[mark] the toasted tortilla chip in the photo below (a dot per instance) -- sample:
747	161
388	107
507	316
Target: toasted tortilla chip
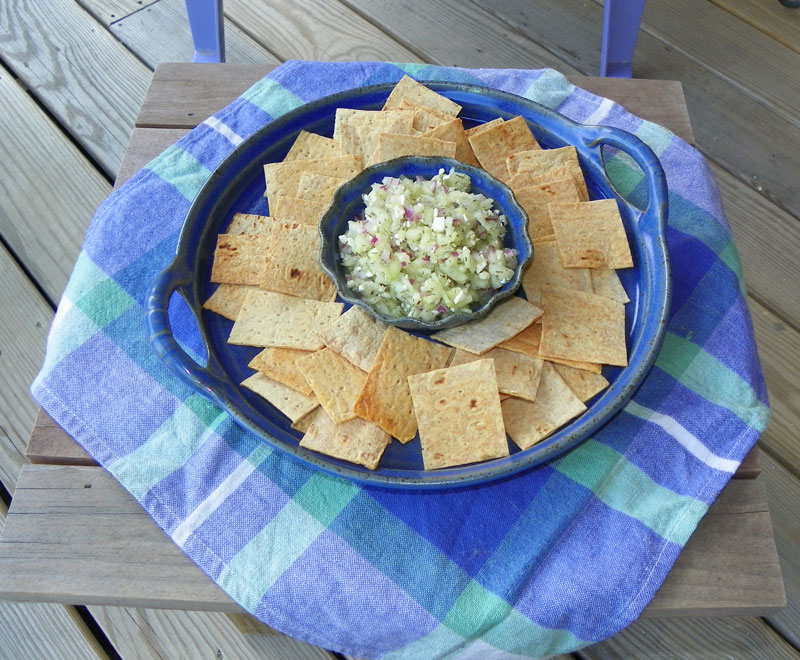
356	441
304	422
546	269
541	161
528	341
528	423
358	130
283	178
385	399
294	209
578	325
310	146
227	300
293	263
290	402
250	223
391	145
506	320
274	319
534	200
494	145
408	89
336	382
318	187
590	234
606	283
517	374
355	335
453	131
279	365
483	127
582	383
424	118
459	415
239	259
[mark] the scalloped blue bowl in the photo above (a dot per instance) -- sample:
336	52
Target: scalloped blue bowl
348	202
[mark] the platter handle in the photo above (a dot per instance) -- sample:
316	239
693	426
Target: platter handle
166	347
654	216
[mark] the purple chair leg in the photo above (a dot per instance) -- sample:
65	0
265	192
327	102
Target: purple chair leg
621	19
205	20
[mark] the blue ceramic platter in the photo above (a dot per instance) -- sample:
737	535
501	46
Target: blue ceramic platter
237	185
348	202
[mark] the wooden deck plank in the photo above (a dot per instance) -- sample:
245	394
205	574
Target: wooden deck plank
22	340
315	30
160	33
49	190
768	241
108	11
733	129
772	18
71	555
779	349
783	492
758	62
151	634
43	630
476	39
59	50
693	639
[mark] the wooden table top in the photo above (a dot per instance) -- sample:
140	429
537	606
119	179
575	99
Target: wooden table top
74	535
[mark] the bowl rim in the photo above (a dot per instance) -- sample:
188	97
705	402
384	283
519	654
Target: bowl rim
409	322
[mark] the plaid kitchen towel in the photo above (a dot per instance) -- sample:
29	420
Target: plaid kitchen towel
545	562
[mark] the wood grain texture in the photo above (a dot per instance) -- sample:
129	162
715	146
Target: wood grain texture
758	61
60	51
154	33
74	535
164	634
22	340
315	30
735	538
50	190
768	241
46	631
783	491
693	639
779	349
731	127
474	40
108	11
772	18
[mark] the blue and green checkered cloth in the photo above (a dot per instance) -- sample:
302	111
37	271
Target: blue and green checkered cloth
542	563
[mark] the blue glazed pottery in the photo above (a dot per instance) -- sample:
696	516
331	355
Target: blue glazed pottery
237	185
347	203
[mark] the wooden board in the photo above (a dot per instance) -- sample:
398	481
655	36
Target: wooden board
42	218
693	639
779	348
783	491
772	18
154	35
44	630
731	127
315	30
108	11
60	51
182	97
723	569
758	60
164	634
22	341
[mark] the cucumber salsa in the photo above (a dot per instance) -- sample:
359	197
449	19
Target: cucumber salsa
426	248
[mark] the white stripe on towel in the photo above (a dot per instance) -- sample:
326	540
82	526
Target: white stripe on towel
600	113
225	130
